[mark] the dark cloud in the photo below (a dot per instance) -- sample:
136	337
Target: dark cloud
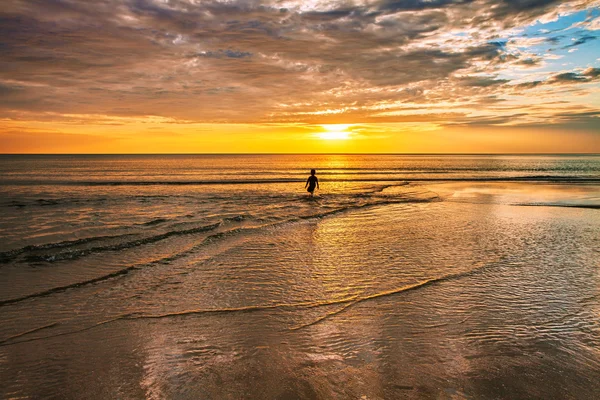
580	114
580	41
529	85
482	81
591	73
488	100
523	5
222	53
529	61
414	5
554	39
485	121
8	90
589	120
587	75
567	77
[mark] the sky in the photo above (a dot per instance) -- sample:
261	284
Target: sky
229	76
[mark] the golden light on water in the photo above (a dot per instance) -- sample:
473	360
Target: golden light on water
335	132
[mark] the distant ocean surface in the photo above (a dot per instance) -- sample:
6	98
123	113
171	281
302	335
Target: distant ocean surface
217	276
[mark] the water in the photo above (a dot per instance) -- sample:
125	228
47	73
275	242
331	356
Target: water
210	277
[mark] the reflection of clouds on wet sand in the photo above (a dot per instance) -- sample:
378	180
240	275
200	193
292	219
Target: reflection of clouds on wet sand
522	194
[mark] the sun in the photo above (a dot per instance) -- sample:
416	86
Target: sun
335	132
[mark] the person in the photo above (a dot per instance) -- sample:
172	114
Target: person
311	182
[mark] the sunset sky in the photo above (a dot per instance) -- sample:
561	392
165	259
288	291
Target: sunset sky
194	76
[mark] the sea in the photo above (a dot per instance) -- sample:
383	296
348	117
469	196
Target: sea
220	277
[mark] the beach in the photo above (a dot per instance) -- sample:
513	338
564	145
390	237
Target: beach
218	277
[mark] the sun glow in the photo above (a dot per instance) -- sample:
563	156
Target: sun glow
335	132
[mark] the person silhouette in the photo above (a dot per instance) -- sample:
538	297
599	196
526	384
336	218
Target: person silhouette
311	182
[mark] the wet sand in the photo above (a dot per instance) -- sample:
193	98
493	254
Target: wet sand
435	300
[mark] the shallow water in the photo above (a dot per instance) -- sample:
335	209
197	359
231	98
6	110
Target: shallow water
484	285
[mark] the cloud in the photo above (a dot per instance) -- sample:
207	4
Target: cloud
483	81
486	121
8	90
587	75
571	77
269	61
554	39
221	54
591	72
591	24
567	77
530	62
580	41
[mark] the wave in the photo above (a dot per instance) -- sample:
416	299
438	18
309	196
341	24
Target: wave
12	254
70	286
121	272
156	221
366	205
111	275
74	201
118	273
347	303
28	332
521	178
87	328
208	239
31	253
589	206
74	254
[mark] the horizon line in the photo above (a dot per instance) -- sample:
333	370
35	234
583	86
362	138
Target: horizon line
313	154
